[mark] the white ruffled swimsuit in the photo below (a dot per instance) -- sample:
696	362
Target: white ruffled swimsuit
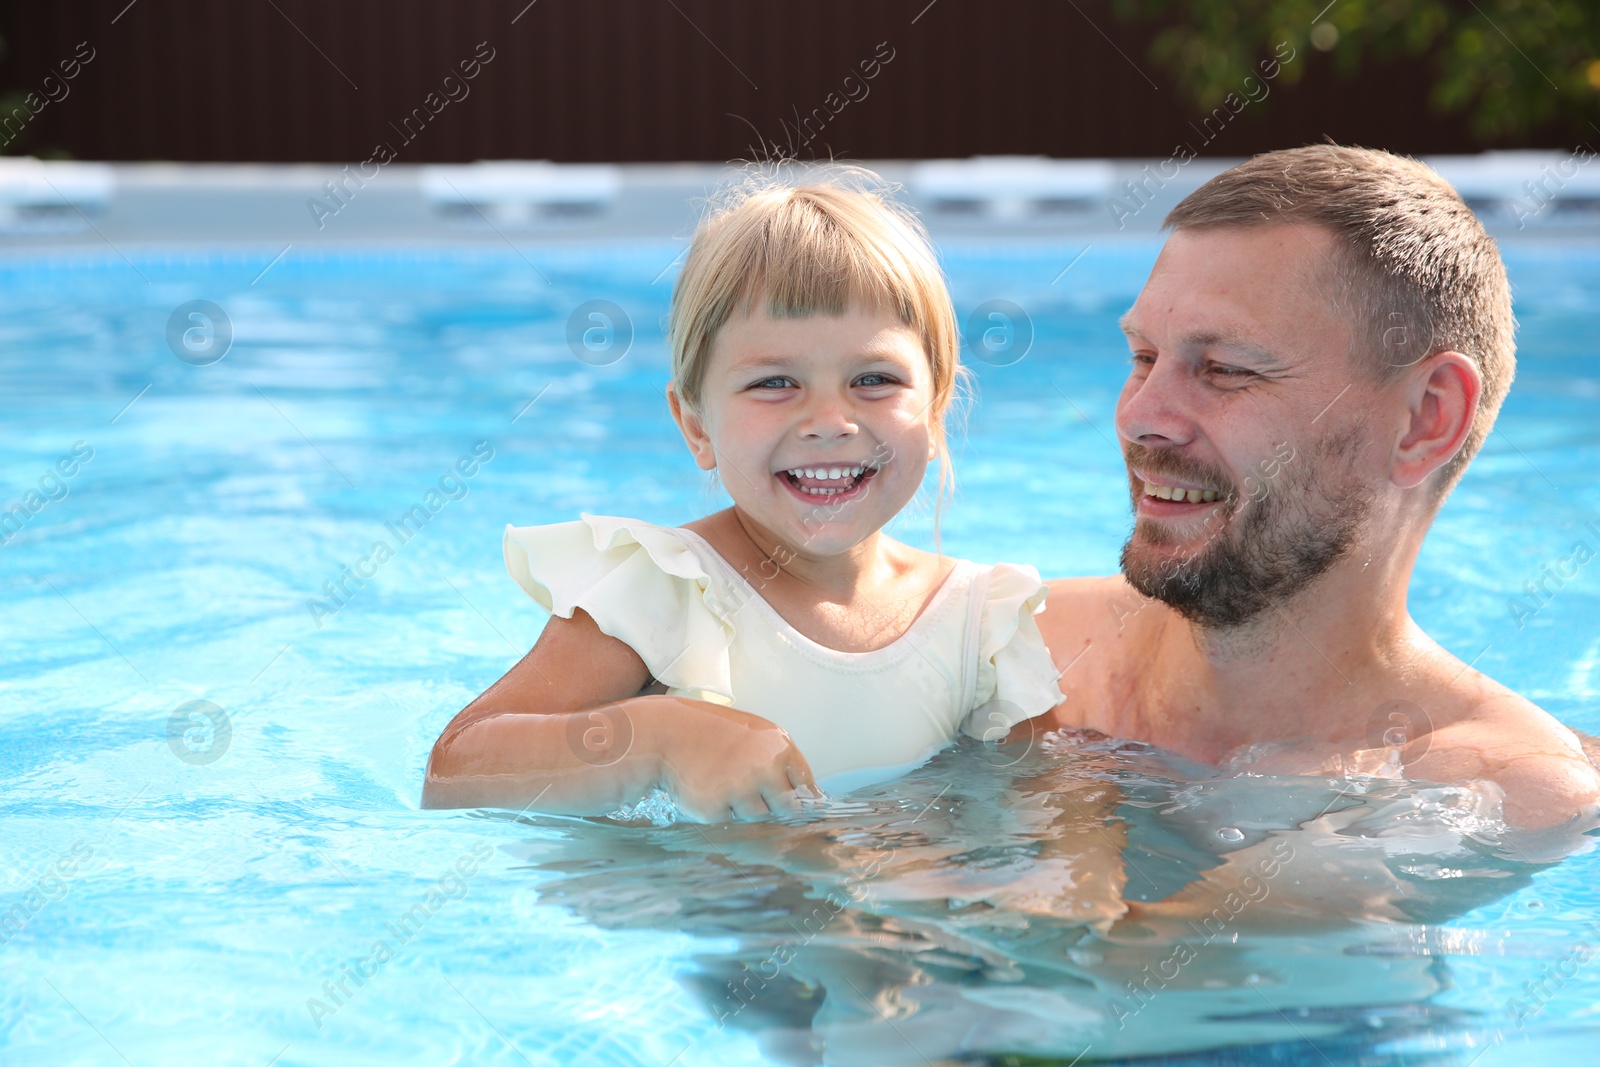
973	662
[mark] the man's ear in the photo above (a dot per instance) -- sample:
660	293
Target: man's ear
1442	394
693	428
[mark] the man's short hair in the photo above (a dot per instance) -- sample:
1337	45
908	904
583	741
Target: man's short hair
1413	262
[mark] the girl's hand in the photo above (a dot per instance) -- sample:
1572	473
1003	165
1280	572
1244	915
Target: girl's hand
719	763
574	728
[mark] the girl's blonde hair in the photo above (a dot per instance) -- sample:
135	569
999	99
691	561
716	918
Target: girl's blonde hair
820	246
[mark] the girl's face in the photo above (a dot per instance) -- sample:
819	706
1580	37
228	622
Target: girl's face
821	427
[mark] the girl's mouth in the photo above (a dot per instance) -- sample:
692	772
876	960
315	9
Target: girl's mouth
827	484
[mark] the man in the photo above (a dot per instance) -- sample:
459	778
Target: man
1320	349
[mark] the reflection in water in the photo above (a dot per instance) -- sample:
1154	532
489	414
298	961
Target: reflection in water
1088	895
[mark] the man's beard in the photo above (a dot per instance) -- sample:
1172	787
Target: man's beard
1263	553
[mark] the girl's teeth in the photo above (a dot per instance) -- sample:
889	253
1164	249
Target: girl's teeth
827	474
831	474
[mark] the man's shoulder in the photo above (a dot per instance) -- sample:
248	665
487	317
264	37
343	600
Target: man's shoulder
1084	604
1498	735
1094	629
1084	611
1096	585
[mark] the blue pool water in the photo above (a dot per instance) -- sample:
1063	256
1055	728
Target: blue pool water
210	764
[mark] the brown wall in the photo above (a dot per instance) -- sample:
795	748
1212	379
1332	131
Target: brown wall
652	80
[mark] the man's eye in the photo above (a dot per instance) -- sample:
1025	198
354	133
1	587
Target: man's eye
1142	359
1222	370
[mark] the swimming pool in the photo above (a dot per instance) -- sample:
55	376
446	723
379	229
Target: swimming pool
218	700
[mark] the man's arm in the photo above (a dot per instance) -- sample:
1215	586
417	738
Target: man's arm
1541	765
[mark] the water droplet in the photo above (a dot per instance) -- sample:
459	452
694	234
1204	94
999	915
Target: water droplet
1232	835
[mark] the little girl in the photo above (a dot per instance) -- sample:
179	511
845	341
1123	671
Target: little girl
735	661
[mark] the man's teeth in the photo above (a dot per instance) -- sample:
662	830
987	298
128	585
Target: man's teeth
1172	492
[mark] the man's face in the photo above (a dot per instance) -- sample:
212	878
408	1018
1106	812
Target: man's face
1243	423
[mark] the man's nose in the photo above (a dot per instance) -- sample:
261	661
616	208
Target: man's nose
828	417
1154	409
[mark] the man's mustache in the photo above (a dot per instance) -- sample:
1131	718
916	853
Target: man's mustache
1154	462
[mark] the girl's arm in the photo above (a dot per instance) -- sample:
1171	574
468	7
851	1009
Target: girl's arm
566	731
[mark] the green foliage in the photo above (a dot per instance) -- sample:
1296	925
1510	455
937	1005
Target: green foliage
12	142
1508	65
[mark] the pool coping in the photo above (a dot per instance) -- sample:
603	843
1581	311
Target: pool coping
49	205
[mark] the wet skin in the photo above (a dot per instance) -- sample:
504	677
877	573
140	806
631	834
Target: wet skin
1239	359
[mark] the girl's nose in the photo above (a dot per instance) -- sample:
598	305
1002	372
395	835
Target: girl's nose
828	418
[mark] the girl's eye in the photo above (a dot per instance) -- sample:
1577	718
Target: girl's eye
874	379
776	382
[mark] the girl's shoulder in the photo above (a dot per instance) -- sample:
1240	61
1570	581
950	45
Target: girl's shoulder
1017	678
995	581
1002	600
1005	595
597	538
641	583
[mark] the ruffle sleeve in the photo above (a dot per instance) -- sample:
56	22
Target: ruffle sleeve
641	584
1017	677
